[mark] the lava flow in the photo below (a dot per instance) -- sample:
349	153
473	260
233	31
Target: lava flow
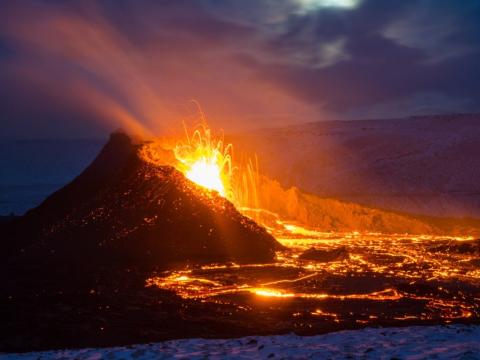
383	278
367	277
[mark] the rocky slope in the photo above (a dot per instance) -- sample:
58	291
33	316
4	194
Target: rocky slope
123	210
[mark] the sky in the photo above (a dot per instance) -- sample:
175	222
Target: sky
83	69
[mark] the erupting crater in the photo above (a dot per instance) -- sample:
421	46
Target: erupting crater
156	233
206	159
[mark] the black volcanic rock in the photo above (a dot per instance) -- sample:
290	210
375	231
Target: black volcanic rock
456	247
320	255
125	211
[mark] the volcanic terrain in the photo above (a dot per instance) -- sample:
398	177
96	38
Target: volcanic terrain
123	210
100	234
133	252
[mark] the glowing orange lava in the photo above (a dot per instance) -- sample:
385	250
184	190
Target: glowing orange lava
399	266
205	160
271	293
207	173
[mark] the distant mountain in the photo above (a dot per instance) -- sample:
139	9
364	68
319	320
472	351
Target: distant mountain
427	165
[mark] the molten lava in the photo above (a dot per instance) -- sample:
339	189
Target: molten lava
394	277
206	161
207	173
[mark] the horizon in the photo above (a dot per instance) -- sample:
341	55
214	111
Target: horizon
105	136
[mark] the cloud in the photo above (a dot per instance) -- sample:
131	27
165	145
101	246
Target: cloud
434	27
137	64
140	69
376	70
312	5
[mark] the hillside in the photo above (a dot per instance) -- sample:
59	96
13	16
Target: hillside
426	165
329	214
124	211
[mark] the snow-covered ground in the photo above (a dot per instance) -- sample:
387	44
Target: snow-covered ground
416	342
425	165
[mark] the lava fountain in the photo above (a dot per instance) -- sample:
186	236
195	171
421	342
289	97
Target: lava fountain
206	161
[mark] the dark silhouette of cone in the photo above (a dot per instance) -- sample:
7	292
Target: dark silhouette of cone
124	211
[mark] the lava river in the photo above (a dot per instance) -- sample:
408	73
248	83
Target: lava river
374	279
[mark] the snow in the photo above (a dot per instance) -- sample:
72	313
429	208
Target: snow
422	165
415	342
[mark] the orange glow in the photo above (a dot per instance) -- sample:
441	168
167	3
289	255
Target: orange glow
207	173
206	161
271	293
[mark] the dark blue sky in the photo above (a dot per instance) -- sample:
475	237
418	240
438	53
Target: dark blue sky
84	68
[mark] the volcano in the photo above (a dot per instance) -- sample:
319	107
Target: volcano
124	211
131	251
80	259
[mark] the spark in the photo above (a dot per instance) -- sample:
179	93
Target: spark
205	160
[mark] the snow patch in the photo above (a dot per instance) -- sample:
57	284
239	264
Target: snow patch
416	342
